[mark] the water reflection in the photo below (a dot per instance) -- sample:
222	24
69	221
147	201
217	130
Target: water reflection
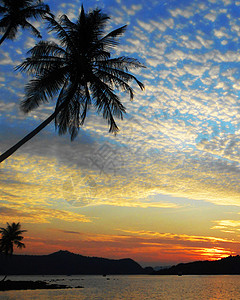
134	288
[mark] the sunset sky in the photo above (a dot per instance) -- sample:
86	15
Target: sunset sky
166	188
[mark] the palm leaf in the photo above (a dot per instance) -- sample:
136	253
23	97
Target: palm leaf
122	62
43	87
110	39
32	28
62	34
46	48
36	11
107	102
3	9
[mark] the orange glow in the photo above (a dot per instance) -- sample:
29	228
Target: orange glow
122	246
215	253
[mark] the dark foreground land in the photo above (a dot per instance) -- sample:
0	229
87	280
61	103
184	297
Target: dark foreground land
65	263
30	285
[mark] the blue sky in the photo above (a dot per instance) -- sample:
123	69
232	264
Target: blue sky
170	179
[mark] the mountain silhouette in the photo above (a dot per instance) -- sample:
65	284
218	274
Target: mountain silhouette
225	266
66	263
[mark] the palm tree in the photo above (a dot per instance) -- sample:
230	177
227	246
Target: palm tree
16	13
79	72
11	235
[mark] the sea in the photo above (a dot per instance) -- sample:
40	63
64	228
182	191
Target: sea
134	287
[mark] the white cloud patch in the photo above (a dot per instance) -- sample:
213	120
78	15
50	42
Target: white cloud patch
220	33
6	59
146	26
211	17
181	12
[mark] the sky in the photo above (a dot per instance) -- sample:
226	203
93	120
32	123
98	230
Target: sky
166	188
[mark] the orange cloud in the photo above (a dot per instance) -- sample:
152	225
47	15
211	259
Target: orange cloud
36	214
182	237
148	247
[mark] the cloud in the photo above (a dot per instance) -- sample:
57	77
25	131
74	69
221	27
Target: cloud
133	9
90	179
207	43
50	175
178	237
184	245
186	13
163	24
6	59
146	26
139	245
211	17
221	33
227	226
26	213
196	70
226	146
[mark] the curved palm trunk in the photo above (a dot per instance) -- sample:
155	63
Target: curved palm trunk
4	278
14	148
5	35
7	262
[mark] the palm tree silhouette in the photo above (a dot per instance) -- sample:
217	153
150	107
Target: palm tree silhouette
16	13
79	73
11	235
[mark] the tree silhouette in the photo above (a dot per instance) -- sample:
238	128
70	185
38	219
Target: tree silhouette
79	73
16	13
11	235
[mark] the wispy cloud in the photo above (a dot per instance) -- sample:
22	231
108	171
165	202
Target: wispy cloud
228	226
25	213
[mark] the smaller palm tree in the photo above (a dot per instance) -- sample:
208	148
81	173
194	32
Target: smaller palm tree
11	235
16	13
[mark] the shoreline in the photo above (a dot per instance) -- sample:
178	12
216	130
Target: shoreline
10	285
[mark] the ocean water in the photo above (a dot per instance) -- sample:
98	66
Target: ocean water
138	287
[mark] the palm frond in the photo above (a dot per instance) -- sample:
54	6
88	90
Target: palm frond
67	24
3	9
37	66
32	28
116	81
74	125
64	38
107	102
85	104
96	22
110	39
114	74
45	48
4	23
68	118
38	11
122	62
19	245
43	87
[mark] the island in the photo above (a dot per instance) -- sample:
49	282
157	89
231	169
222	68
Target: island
226	266
67	263
30	285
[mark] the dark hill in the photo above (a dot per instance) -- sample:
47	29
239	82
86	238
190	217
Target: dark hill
229	266
64	262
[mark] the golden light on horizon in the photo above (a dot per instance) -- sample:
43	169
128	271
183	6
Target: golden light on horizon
215	253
